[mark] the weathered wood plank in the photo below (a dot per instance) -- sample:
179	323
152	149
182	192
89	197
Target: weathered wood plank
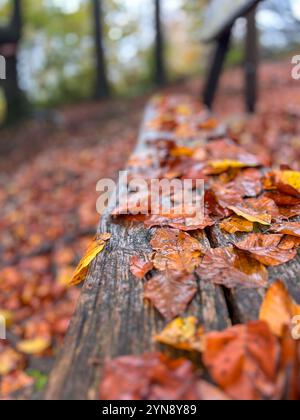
112	318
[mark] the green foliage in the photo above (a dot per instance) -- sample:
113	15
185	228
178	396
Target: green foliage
40	379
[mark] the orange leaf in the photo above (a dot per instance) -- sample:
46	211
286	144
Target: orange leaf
242	360
278	308
171	292
261	210
94	249
266	249
236	224
139	267
230	268
175	250
287	228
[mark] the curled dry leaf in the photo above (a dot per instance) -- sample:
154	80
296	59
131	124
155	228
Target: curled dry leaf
242	360
287	228
266	249
183	334
175	250
139	267
170	292
152	376
93	250
230	267
261	210
236	224
278	308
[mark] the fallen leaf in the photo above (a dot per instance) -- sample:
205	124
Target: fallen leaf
242	360
230	267
288	381
182	334
139	267
261	210
236	224
10	360
209	392
266	249
291	178
151	376
170	292
287	228
186	224
278	308
13	382
175	250
34	346
94	249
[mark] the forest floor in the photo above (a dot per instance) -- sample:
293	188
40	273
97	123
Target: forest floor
48	175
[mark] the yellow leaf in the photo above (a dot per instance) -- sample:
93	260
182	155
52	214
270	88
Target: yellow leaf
8	316
236	224
291	178
220	166
182	151
278	308
34	346
182	334
93	250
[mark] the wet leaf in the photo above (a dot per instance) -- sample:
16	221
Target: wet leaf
278	308
230	267
170	292
236	224
175	250
182	334
93	250
287	228
266	249
261	210
242	360
151	376
139	267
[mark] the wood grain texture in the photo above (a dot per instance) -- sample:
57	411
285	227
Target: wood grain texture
112	318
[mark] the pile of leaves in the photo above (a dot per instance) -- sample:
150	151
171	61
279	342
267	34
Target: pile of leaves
258	360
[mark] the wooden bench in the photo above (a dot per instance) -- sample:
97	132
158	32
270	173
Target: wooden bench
220	18
112	318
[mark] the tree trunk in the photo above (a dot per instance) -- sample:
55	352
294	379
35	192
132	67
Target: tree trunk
101	87
9	40
160	72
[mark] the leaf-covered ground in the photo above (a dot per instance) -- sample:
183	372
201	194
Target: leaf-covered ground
49	172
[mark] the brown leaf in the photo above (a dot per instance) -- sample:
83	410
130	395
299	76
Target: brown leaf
139	267
266	249
261	210
242	360
278	308
151	376
287	228
182	334
170	292
209	392
236	224
175	250
230	268
186	224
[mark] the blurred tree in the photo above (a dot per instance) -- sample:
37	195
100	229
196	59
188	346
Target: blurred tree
10	36
101	88
160	71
